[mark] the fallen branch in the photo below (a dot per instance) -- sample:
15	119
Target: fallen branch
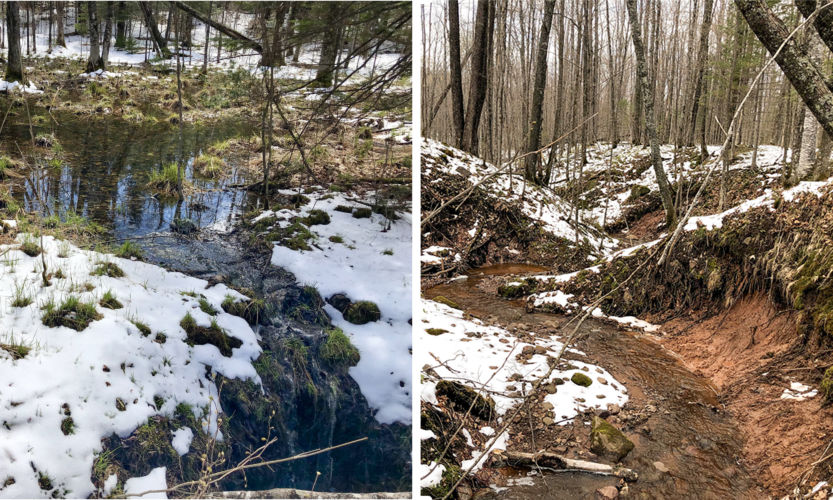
555	461
293	493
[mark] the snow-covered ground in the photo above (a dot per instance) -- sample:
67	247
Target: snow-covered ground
372	262
484	358
537	203
77	47
107	377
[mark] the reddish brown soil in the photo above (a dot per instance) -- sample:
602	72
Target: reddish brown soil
750	354
644	229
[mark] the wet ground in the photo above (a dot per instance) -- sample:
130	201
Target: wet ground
686	446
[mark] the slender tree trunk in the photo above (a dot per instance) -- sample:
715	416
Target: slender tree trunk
329	49
648	100
160	44
479	75
700	69
14	69
207	43
60	8
537	111
458	116
108	33
94	62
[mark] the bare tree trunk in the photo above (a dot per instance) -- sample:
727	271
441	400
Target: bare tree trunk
484	21
534	127
700	70
329	47
207	42
457	110
108	33
14	69
648	100
160	44
805	77
94	62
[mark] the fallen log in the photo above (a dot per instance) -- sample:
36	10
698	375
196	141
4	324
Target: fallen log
293	493
554	461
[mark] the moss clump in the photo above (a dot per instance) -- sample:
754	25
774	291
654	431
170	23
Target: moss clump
446	301
513	290
130	250
317	217
362	312
638	191
581	379
608	441
265	223
826	386
17	351
108	269
207	308
143	328
462	398
435	331
252	310
72	313
208	165
110	301
68	426
213	334
336	239
362	213
344	209
30	248
337	350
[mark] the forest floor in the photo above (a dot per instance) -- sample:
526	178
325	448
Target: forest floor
231	337
720	354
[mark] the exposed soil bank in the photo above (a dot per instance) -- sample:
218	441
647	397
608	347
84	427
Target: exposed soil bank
752	353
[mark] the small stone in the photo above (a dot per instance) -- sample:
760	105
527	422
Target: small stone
540	349
547	405
600	396
613	408
547	421
607	493
660	467
601	380
607	440
550	388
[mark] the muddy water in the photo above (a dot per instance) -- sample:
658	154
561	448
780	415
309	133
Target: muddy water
688	432
105	165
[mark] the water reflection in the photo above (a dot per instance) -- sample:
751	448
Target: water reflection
106	165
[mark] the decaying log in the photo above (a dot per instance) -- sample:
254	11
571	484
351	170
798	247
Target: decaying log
554	461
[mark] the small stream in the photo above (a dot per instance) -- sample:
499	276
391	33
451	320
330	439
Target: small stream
688	433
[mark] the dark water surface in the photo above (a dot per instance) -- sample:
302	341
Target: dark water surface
106	165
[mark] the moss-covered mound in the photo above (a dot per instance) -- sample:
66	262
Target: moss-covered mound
213	334
72	313
362	312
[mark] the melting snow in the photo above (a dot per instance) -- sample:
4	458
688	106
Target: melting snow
373	263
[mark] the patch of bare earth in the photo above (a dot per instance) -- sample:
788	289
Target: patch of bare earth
751	353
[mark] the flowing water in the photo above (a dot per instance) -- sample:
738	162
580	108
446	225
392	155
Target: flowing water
689	433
